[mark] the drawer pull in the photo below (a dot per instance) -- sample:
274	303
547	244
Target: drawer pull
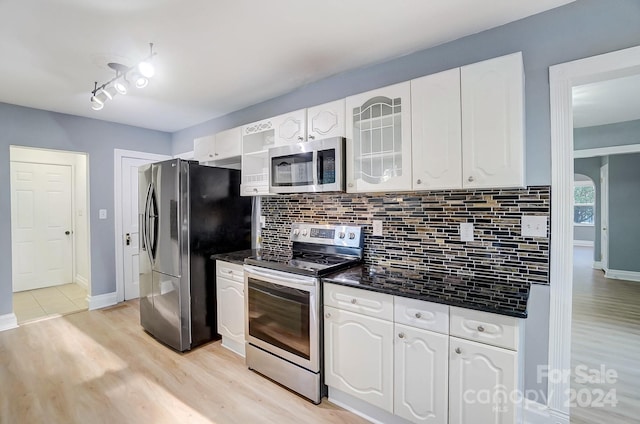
480	328
354	301
418	315
327	315
401	335
458	350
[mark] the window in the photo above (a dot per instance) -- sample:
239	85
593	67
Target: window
584	200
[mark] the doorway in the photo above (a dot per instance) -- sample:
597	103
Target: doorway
50	232
127	163
563	78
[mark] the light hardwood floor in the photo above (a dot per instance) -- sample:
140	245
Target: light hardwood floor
101	367
605	332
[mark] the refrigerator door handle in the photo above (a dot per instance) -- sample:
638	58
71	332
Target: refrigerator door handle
153	221
143	222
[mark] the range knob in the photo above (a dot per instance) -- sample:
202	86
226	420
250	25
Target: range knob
352	236
304	232
341	235
296	232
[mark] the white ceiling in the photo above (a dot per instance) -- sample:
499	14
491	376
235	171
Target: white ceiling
606	102
215	56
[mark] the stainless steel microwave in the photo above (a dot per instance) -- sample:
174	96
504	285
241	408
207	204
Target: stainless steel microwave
312	166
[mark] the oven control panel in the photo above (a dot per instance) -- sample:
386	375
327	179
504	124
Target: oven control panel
335	235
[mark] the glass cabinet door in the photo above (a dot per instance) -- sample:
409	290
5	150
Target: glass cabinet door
379	140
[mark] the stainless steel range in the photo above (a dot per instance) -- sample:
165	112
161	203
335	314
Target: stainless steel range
283	304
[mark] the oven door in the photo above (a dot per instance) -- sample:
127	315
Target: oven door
282	315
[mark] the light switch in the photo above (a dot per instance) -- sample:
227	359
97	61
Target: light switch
102	214
377	227
466	231
263	221
533	226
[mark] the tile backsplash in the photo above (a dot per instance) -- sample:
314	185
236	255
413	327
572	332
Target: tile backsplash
421	229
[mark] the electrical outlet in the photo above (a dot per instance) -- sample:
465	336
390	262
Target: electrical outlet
377	227
533	226
466	231
263	221
102	214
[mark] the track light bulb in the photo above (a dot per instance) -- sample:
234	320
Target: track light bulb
146	69
96	103
141	82
121	86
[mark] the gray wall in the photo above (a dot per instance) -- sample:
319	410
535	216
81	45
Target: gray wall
37	128
591	168
580	29
624	207
584	233
619	134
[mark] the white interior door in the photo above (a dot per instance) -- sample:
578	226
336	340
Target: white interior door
130	229
604	216
41	225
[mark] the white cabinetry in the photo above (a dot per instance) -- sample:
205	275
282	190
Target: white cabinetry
315	123
436	131
379	139
493	122
256	140
359	356
230	305
221	147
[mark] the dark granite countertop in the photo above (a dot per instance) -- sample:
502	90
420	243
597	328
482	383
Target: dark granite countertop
479	293
236	257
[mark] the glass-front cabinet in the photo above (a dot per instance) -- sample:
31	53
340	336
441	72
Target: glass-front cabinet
257	138
379	139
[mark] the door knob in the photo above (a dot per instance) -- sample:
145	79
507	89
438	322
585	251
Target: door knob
470	179
127	239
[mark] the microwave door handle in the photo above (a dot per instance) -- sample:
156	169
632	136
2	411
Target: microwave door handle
316	164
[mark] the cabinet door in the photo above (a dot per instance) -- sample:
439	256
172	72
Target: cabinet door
291	127
421	374
493	122
482	379
436	133
203	148
230	300
379	140
325	121
359	356
257	138
228	144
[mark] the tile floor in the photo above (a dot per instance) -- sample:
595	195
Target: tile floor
34	305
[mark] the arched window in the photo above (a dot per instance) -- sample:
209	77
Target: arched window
584	201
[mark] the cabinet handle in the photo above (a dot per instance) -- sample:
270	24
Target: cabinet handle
216	154
327	315
458	350
401	335
300	138
470	179
312	137
419	182
350	185
418	315
480	328
353	301
255	190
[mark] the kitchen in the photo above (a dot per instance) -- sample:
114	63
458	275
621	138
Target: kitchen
478	47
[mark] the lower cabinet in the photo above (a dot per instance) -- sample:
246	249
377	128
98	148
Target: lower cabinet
420	375
230	305
482	380
359	356
430	363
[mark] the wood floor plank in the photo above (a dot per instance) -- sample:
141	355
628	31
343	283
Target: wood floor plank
101	367
605	332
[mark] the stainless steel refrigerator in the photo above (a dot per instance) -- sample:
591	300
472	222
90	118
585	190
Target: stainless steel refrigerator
187	212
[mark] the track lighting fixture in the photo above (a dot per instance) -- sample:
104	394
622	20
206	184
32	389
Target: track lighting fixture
139	75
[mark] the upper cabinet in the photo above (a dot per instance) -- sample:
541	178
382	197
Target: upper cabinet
222	147
436	131
493	122
257	137
378	128
314	123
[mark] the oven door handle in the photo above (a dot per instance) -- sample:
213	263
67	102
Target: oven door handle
282	278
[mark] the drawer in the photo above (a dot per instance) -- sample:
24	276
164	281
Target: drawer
377	305
484	327
230	271
420	314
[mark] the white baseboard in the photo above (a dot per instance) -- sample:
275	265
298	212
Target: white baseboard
617	274
583	243
102	300
597	265
8	321
81	281
234	346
